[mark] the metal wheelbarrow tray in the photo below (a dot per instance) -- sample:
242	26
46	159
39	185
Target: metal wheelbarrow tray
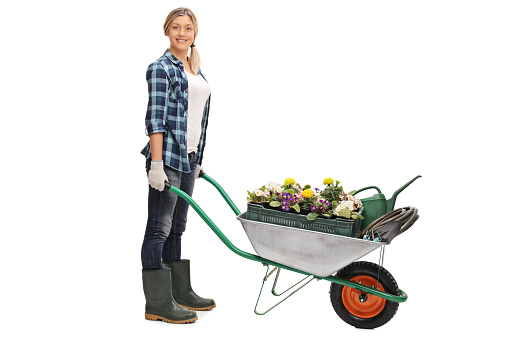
318	253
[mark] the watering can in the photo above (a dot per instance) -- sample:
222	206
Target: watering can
377	205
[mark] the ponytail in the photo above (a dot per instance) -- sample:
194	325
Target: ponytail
194	59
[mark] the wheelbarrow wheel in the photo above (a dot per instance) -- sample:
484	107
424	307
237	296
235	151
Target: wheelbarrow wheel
358	308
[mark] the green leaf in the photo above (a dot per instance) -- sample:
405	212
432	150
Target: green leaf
263	188
344	212
297	208
290	191
275	203
352	192
357	215
312	216
334	204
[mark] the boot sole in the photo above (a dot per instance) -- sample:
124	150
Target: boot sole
198	309
156	317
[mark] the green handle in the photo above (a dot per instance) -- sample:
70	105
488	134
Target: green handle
392	201
223	193
368	187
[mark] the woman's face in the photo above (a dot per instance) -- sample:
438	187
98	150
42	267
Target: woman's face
181	33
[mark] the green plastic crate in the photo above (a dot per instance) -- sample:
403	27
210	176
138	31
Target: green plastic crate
339	226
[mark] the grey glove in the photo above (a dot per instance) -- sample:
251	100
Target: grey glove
156	175
199	168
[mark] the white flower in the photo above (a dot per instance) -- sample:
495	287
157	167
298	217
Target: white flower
258	192
357	201
347	204
337	209
272	186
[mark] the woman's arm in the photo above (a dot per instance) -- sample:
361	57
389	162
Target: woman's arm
156	146
155	118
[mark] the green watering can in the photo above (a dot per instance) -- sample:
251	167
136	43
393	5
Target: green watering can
377	205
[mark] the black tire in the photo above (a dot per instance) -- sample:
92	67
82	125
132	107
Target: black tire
367	321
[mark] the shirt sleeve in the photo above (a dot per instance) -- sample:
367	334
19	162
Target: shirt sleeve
157	80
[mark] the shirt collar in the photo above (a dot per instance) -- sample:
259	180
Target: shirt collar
172	58
176	61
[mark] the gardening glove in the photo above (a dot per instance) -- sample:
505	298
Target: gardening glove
199	168
156	175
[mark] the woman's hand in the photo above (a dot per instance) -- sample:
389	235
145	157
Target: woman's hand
199	168
156	175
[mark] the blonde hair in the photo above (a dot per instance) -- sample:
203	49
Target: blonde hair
194	57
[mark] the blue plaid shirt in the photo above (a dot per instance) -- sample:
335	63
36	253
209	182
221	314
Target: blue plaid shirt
167	111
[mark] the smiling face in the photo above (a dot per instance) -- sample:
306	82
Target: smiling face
181	33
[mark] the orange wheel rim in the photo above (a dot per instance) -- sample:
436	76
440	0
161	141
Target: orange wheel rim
359	303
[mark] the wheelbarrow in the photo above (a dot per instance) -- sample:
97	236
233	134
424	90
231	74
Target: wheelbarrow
363	294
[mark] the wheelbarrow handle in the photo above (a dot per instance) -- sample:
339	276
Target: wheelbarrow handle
218	187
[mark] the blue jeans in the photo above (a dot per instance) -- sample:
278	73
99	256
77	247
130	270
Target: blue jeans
167	217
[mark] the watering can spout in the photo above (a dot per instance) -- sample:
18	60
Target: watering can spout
392	201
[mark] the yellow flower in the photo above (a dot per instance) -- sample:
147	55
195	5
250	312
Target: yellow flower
307	193
289	181
328	181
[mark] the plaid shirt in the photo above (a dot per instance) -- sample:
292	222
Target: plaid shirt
167	111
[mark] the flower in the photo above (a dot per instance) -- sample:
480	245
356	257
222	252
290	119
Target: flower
347	204
328	181
274	187
356	201
289	181
307	193
287	201
260	193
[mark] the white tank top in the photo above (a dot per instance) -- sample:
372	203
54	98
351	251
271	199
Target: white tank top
198	93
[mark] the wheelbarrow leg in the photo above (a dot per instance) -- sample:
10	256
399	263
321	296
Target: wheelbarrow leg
275	283
267	275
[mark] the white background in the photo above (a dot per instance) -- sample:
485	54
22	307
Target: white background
366	92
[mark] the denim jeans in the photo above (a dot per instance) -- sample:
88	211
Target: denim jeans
167	217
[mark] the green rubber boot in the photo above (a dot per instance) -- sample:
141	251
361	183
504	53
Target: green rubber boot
160	304
182	290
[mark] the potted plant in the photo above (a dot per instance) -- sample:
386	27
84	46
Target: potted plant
331	202
334	202
288	199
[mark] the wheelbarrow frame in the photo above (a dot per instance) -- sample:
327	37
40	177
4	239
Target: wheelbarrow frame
402	297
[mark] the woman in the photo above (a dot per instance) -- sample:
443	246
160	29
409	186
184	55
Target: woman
176	122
